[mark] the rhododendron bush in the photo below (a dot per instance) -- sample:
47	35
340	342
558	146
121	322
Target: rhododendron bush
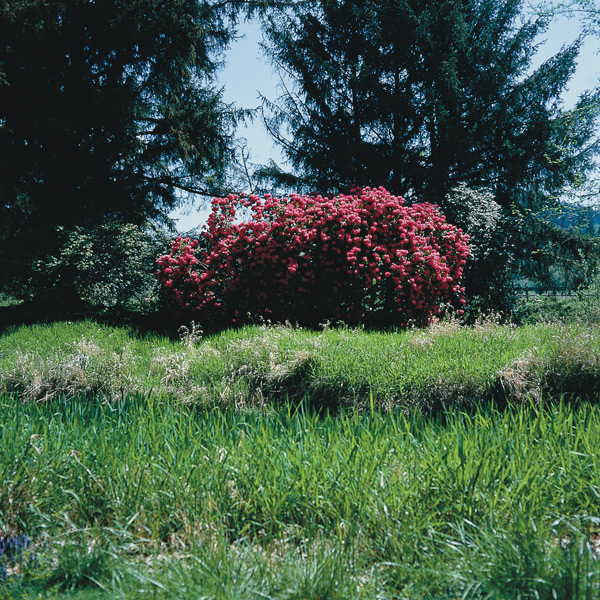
366	257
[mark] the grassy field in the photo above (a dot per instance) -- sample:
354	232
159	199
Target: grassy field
144	499
417	369
144	467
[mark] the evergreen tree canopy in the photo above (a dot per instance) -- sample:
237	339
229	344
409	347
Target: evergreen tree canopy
421	95
107	108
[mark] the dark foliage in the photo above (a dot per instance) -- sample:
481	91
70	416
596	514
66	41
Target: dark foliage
419	96
108	110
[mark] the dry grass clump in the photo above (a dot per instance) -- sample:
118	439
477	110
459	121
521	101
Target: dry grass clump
572	366
569	365
83	369
520	381
175	372
172	370
424	338
271	366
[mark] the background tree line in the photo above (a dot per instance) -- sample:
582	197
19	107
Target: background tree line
430	97
109	113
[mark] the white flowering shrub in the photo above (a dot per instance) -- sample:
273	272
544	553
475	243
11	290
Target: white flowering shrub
490	265
106	269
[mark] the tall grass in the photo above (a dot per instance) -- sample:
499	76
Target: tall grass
140	467
145	498
426	369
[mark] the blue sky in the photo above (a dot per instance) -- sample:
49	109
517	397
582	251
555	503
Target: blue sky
247	73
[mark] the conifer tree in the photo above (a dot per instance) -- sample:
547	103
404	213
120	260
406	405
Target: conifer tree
423	96
108	110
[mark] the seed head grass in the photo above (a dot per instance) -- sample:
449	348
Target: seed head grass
428	370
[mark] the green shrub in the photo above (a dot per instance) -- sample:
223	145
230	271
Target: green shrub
108	269
582	306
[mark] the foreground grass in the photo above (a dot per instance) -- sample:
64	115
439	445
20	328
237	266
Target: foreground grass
140	466
142	498
426	369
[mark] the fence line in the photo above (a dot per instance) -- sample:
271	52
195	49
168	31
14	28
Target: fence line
556	292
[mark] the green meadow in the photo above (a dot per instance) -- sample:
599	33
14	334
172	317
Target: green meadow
277	462
420	369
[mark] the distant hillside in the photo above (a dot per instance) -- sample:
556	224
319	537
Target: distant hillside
584	218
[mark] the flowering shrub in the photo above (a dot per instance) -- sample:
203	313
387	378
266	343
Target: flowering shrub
491	264
365	257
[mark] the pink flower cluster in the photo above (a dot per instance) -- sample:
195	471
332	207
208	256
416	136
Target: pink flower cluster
365	257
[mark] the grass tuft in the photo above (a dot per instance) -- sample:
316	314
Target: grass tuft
428	370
